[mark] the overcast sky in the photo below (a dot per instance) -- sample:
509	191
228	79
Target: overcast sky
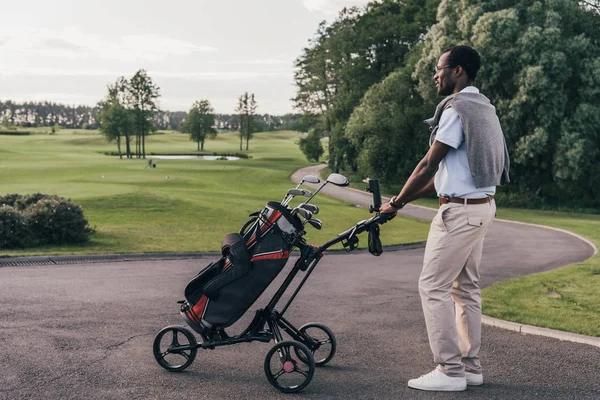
68	50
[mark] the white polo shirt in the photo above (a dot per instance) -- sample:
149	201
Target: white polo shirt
453	177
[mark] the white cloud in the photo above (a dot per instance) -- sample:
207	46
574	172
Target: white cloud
73	43
195	76
252	62
332	7
57	97
222	76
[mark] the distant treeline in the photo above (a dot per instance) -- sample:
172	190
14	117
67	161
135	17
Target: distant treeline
45	113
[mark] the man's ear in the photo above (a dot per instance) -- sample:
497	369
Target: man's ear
459	71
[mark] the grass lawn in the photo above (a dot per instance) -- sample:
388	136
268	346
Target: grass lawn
179	206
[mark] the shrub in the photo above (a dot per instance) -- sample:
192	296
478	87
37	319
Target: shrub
26	201
54	220
14	231
21	202
10	199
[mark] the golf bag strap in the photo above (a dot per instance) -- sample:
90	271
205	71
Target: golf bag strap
234	248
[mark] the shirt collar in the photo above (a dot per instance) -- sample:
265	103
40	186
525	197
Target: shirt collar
470	89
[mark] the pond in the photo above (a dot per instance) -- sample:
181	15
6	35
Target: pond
187	157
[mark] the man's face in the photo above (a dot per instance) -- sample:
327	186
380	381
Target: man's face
444	77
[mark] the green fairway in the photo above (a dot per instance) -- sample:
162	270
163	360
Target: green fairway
181	205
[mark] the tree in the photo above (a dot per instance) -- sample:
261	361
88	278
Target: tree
241	111
142	98
251	111
593	5
199	122
116	120
359	49
542	71
311	146
246	109
388	128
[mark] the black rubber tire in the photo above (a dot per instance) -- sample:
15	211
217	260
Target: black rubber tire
189	355
283	351
319	359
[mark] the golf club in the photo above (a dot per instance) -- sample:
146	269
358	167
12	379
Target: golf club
336	179
309	179
291	193
310	207
315	223
305	213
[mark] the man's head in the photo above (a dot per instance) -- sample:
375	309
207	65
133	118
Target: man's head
456	69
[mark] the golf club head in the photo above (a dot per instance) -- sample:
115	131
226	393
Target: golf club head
315	223
304	212
291	193
310	207
299	192
338	179
310	179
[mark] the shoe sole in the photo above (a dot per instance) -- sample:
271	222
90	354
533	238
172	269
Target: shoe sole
474	383
478	381
445	389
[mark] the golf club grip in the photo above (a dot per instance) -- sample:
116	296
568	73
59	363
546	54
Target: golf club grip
383	217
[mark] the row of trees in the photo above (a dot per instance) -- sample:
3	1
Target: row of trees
367	78
246	109
45	113
128	110
200	120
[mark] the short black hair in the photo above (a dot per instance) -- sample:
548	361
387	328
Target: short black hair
465	56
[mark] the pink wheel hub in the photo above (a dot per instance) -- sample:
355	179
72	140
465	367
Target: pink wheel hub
288	366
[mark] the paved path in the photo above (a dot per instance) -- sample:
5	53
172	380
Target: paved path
85	331
510	249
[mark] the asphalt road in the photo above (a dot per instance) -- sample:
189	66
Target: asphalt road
85	331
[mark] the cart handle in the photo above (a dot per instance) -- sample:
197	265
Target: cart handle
360	227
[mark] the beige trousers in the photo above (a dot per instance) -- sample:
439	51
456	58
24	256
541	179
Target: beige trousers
448	285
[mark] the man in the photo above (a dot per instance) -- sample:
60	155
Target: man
466	161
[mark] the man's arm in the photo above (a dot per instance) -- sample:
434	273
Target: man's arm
421	180
427	190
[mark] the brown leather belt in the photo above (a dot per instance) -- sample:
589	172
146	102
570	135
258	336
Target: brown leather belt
483	200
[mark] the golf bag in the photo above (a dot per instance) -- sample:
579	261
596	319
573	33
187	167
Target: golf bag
224	290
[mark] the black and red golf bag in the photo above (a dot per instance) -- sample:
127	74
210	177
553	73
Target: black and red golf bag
223	291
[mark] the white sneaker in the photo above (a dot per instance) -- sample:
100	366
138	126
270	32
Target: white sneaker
438	381
474	379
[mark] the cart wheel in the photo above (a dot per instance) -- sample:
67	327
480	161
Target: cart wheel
320	340
286	373
175	348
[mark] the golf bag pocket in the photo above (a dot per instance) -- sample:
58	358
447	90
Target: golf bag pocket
224	290
234	250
